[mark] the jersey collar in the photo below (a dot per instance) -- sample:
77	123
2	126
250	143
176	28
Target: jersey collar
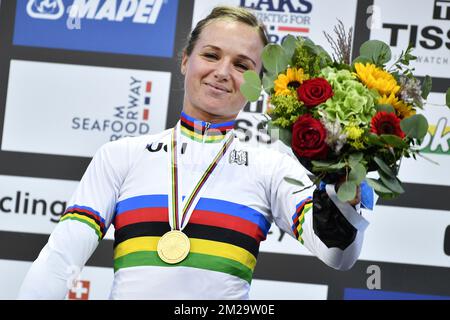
202	131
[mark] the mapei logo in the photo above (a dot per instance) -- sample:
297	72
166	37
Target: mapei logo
138	11
45	9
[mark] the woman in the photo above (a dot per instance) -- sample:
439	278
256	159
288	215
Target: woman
190	205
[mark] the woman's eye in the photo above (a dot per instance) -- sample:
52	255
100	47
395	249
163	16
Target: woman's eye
242	66
210	55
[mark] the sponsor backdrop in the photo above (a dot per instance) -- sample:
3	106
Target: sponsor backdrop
75	74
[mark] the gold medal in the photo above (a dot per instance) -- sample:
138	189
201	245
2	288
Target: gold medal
173	247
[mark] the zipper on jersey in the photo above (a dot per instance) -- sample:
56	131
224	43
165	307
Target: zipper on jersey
207	125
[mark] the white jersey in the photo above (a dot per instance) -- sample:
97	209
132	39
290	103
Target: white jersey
126	185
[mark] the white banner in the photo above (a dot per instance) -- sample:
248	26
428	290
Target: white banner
297	17
72	110
34	205
430	168
425	24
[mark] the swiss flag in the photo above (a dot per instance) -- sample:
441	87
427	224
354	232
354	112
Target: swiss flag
80	291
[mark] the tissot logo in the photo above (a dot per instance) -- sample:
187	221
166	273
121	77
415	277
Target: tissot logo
427	37
441	10
282	17
45	9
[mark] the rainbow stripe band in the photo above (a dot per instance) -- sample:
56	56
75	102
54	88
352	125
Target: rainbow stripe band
224	236
88	216
299	217
202	131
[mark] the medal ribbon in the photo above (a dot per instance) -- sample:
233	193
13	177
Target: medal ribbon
175	181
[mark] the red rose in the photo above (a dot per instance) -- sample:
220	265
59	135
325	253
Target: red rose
308	138
315	91
386	123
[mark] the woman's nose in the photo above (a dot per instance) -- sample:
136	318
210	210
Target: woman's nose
223	70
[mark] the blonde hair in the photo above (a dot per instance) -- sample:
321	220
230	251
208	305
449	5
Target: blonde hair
226	12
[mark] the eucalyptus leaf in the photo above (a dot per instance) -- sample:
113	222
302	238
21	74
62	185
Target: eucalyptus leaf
377	185
357	173
294	181
289	45
384	167
327	165
377	50
385	107
277	133
355	158
415	126
251	88
393	140
426	86
392	183
347	191
375	139
363	60
447	98
387	196
274	58
268	82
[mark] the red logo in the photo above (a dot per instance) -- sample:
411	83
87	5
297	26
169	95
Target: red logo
80	291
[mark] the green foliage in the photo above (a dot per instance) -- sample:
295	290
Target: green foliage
415	126
251	88
426	86
287	110
274	58
375	51
447	98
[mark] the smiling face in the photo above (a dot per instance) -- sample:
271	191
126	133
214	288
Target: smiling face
214	70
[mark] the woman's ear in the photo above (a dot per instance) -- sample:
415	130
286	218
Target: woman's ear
184	61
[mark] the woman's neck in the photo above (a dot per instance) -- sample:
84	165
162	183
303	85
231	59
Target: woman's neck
207	117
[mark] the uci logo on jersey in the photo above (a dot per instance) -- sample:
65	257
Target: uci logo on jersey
45	9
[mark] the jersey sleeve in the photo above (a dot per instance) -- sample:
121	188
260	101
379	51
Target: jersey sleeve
330	229
84	223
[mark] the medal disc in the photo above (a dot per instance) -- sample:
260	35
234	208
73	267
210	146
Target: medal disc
173	247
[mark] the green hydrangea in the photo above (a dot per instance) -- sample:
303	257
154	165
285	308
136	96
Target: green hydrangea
352	103
287	110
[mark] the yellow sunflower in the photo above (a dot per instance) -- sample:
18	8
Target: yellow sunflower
291	80
402	109
376	78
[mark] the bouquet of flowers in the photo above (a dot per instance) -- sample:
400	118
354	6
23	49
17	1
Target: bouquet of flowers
343	118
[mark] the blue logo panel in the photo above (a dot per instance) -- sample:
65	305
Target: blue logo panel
137	27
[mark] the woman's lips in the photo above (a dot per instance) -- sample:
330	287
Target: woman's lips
217	87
